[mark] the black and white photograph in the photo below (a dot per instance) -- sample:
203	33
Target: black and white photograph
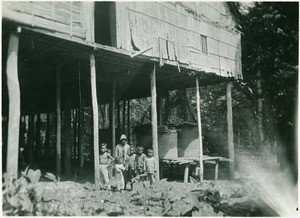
150	108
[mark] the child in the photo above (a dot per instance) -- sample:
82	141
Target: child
119	168
104	160
150	166
140	162
130	166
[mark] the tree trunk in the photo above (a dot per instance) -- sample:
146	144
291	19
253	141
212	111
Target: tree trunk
188	106
166	109
67	132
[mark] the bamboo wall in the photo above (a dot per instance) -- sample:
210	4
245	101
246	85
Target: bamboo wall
175	29
75	19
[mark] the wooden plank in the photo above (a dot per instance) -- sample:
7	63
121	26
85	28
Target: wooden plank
58	122
199	131
14	105
154	118
95	121
230	128
113	118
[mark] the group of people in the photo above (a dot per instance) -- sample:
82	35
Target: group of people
128	165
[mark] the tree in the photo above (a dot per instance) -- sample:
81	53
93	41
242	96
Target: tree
270	46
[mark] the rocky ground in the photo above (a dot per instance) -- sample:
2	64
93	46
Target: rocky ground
221	198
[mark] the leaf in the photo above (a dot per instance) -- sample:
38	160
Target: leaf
51	177
34	176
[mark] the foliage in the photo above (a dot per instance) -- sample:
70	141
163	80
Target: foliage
270	45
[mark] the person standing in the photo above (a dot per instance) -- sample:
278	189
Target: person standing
122	148
119	168
150	166
140	163
104	160
130	166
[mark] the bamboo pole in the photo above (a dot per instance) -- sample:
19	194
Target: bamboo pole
154	118
113	118
95	121
58	123
230	129
199	131
14	105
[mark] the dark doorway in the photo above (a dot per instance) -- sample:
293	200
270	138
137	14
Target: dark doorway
105	23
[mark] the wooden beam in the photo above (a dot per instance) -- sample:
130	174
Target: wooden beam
154	118
199	131
230	129
58	122
95	121
113	118
14	105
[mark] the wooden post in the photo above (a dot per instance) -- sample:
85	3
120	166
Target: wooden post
118	116
113	118
81	120
124	117
58	123
199	131
95	121
128	120
154	118
67	133
216	170
260	107
47	141
230	129
30	139
14	106
186	173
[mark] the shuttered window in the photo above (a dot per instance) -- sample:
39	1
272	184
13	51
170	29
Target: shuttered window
204	44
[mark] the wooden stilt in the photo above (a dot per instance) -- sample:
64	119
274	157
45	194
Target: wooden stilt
38	134
58	123
95	121
118	116
113	118
81	120
154	118
67	134
230	129
128	120
14	106
199	131
31	139
47	141
186	173
124	118
216	170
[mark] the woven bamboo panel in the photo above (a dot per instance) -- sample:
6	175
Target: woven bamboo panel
64	17
183	24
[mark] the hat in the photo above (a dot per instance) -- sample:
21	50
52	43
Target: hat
123	137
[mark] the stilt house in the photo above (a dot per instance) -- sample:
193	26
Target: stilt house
59	56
